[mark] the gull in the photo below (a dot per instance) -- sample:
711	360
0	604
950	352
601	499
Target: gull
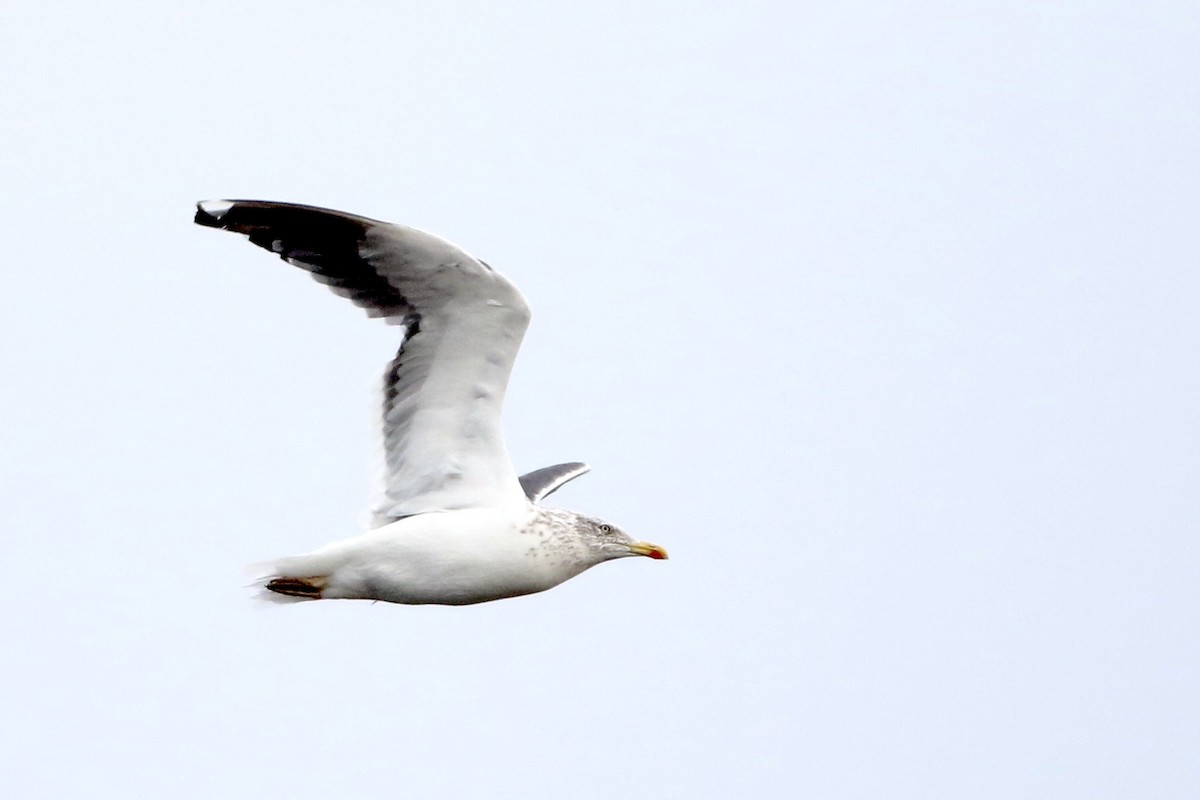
455	524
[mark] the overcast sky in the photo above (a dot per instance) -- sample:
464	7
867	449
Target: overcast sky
881	317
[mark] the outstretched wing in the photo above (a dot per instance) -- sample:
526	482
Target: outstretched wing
541	483
462	321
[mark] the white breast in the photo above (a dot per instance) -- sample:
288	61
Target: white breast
451	557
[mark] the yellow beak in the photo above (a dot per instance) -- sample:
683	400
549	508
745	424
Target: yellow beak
647	549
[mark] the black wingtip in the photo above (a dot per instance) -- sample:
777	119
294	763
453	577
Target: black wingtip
209	212
296	587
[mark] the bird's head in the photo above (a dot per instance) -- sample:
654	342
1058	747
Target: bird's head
609	541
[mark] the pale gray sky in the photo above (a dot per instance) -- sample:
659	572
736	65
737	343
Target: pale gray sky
881	317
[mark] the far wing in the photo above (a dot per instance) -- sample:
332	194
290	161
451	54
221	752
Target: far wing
463	324
542	483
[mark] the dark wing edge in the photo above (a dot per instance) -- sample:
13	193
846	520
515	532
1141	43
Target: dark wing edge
381	267
322	241
541	483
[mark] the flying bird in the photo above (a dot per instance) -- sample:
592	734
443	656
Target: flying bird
455	525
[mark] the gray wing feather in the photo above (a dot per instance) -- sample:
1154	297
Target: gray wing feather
463	323
542	483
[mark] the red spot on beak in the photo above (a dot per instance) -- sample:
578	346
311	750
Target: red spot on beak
648	550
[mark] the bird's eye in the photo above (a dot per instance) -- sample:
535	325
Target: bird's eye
606	528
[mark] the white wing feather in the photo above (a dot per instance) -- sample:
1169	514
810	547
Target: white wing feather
463	323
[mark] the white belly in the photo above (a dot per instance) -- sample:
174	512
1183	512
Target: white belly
451	558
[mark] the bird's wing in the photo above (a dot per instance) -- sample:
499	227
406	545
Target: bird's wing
463	323
541	483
